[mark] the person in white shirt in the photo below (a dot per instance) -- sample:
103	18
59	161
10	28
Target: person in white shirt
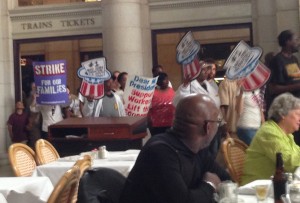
249	110
73	108
50	113
110	105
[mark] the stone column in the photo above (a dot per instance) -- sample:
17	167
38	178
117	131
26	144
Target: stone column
6	77
126	35
265	25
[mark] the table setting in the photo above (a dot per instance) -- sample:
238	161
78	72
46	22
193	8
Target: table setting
121	161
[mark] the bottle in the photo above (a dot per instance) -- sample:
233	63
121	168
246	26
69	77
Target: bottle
279	179
102	152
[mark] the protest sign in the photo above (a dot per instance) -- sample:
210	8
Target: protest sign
138	95
93	73
50	80
243	64
187	50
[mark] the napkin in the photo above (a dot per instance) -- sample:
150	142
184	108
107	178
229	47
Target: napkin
248	189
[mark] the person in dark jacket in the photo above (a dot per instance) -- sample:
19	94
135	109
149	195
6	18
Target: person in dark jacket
175	167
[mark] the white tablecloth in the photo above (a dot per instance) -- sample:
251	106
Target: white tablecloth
26	189
247	192
119	161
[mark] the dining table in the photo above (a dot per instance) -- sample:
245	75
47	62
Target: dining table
246	193
25	189
121	161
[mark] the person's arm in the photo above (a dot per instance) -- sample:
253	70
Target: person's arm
33	106
212	166
278	89
88	107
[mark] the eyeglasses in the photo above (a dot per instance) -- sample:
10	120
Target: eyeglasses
214	121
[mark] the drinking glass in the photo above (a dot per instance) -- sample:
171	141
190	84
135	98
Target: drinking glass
261	192
285	198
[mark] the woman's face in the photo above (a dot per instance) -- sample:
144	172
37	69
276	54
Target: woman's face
292	120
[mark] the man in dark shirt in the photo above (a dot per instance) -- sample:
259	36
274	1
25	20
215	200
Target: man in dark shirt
285	72
17	124
175	167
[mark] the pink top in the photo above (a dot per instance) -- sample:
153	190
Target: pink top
162	110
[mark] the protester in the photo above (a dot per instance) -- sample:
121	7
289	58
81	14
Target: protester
250	114
275	135
73	107
17	124
284	69
116	85
227	93
122	78
159	69
174	167
161	112
110	105
51	114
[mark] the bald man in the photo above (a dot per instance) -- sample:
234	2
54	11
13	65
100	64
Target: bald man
174	167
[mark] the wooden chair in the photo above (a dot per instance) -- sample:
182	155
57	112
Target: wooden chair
84	163
45	152
22	159
234	152
66	188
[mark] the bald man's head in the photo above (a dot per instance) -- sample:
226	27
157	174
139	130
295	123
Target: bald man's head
193	118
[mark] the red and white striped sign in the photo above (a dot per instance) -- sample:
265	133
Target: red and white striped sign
87	89
193	69
257	78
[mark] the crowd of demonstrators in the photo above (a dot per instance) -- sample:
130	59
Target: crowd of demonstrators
161	112
275	135
178	167
110	105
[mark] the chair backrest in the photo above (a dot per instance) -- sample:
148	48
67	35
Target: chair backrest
234	152
83	163
22	159
45	152
66	187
